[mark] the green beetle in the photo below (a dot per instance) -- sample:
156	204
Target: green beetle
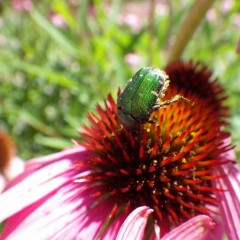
140	97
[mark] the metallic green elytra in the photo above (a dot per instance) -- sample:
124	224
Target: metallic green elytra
141	95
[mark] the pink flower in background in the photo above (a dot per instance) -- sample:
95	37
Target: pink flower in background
174	179
131	20
26	5
133	59
57	20
226	6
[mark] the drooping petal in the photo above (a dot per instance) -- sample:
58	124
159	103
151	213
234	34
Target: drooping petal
65	214
30	190
197	228
134	226
33	189
71	153
52	202
112	231
92	222
49	213
229	203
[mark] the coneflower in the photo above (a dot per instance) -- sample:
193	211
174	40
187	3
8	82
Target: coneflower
165	180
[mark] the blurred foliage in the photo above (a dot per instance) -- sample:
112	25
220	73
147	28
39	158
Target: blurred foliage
60	58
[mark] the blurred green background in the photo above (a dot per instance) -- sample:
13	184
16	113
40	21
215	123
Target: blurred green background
58	59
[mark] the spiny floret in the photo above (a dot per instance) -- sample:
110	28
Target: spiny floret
194	77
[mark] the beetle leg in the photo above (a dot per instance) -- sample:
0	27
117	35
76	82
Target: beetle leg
168	102
154	120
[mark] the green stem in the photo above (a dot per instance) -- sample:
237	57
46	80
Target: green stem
188	27
151	30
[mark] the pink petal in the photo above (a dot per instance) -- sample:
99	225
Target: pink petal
2	182
197	228
229	204
30	186
15	167
67	213
89	220
51	204
72	153
112	231
134	226
229	200
92	224
40	219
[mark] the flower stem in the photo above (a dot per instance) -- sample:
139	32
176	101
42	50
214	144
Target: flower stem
188	27
151	30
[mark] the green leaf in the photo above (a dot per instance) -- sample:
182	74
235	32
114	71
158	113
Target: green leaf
56	35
